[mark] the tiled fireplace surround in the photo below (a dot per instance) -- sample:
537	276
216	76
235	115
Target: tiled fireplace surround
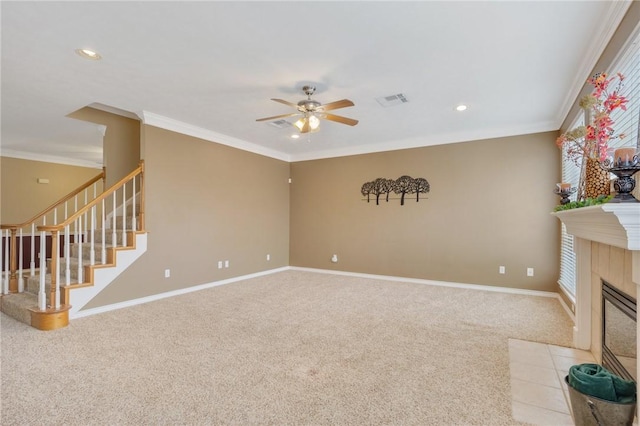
607	247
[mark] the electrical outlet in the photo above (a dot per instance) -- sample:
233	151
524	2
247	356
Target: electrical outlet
219	264
502	270
529	272
167	273
268	257
226	263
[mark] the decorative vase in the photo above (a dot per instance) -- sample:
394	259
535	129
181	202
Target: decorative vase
596	180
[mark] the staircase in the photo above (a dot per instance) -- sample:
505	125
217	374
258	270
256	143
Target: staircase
79	255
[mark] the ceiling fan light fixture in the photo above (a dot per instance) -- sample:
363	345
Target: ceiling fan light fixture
314	122
309	123
300	123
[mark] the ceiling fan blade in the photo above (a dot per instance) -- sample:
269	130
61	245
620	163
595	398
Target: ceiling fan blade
275	117
282	101
340	119
335	105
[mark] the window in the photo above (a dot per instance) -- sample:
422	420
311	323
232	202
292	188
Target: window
570	173
626	122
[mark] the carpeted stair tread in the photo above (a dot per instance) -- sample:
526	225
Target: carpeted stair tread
108	236
86	251
17	306
32	284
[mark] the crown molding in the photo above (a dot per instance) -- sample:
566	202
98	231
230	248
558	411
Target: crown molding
428	140
167	123
608	27
49	159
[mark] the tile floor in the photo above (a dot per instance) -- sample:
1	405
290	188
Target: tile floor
539	394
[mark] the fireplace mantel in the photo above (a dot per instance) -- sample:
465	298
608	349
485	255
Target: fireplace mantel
615	224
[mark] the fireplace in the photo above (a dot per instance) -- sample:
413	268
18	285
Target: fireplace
607	247
619	346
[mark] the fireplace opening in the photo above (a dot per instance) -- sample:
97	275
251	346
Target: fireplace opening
619	322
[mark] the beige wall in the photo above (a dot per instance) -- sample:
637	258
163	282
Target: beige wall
205	202
22	197
489	205
121	143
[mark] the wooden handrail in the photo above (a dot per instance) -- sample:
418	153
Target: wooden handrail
57	203
93	202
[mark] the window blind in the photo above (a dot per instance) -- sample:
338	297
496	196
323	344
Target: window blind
570	174
626	122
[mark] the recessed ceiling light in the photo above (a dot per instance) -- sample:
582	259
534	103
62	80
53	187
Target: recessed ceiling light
89	54
461	107
294	136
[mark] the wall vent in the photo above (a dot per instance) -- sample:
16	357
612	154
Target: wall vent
280	124
393	100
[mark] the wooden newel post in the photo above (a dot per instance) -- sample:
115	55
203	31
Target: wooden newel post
13	267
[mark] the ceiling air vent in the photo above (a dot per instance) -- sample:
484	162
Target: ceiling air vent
393	100
280	124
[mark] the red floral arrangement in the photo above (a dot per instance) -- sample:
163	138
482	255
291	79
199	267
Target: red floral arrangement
592	140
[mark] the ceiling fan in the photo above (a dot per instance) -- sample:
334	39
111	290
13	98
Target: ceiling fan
312	111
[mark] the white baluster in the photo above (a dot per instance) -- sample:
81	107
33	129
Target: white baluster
124	214
66	210
85	216
92	255
114	243
33	249
4	290
1	271
134	223
67	256
20	277
55	216
103	231
42	296
6	263
80	279
56	302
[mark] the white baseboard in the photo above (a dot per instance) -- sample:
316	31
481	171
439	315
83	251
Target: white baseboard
432	282
134	302
140	301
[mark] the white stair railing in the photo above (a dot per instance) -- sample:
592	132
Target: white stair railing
85	231
57	245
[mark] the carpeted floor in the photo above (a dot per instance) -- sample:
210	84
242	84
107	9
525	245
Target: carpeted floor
291	348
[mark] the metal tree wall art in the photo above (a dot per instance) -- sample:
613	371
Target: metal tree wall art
366	190
403	185
421	186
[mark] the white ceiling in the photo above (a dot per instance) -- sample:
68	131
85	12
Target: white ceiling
210	68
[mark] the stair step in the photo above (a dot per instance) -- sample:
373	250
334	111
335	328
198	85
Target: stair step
86	251
17	306
108	236
32	284
73	267
119	221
